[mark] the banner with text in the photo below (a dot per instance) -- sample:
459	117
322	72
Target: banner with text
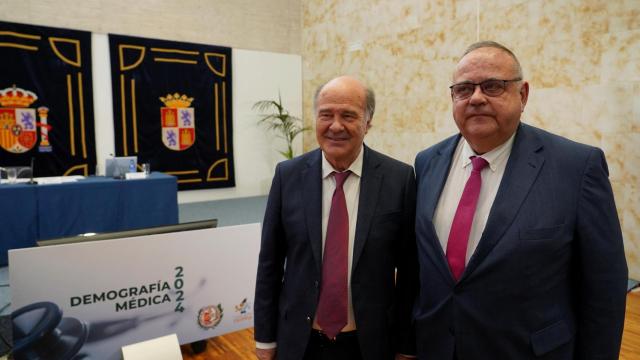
90	299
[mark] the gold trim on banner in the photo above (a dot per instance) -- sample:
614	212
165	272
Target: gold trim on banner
82	127
121	55
184	181
72	140
224	63
186	172
224	115
186	52
134	118
20	35
215	91
191	62
19	46
124	117
226	171
78	61
83	167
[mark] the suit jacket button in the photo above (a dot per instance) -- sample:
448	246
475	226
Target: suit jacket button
315	283
309	319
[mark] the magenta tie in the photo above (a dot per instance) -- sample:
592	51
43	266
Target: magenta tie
332	306
461	226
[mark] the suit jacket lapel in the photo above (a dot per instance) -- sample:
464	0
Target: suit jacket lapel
523	166
370	183
436	176
312	195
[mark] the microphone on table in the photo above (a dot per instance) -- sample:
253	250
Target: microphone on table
31	177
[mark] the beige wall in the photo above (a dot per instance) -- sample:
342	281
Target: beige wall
582	59
269	25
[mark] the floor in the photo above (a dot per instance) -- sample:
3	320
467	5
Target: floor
240	345
228	212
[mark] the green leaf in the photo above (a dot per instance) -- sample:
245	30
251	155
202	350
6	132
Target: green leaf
278	120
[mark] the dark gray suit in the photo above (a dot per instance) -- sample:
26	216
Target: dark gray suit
548	278
289	268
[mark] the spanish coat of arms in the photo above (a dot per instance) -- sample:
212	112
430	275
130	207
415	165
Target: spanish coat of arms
18	125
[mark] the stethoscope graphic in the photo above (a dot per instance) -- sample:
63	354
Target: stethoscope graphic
40	332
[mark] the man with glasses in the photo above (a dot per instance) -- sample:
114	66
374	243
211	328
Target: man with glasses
519	243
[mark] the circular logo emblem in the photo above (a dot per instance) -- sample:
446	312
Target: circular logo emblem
210	316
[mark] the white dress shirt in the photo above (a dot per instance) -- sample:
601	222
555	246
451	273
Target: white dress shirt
452	192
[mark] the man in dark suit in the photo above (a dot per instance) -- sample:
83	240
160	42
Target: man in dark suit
519	243
327	288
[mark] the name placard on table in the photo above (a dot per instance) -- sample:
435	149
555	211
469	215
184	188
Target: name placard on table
66	179
46	180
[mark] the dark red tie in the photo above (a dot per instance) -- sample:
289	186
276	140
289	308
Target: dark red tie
461	226
332	306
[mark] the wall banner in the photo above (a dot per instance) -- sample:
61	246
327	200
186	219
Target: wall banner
172	108
90	299
46	100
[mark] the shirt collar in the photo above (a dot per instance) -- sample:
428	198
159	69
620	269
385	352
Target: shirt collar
355	167
493	157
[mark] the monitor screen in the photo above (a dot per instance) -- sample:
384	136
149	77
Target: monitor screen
118	166
194	225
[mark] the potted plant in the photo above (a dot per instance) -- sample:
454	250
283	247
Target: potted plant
278	119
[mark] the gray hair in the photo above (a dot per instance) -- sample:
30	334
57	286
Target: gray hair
495	45
369	100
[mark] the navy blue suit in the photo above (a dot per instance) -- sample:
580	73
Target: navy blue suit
548	278
290	263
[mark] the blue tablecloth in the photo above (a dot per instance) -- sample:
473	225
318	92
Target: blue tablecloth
95	204
18	218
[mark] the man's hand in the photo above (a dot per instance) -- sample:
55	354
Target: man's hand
266	354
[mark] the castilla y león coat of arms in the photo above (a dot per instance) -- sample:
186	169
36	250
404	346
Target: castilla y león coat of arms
178	122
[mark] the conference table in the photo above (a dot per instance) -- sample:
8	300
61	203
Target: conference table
93	204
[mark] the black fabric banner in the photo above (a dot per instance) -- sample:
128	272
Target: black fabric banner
172	108
46	100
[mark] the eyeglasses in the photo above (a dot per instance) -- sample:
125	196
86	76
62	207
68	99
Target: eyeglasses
491	87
